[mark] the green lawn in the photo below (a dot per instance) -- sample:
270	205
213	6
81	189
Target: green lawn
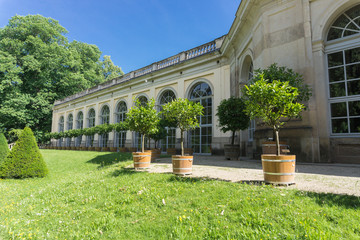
89	195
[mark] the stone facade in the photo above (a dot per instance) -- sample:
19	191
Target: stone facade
299	34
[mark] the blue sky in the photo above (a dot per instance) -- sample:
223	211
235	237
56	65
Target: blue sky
134	33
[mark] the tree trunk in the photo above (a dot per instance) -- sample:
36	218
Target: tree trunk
143	143
277	142
233	138
182	143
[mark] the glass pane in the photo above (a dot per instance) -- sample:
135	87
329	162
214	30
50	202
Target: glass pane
354	125
351	30
334	33
337	90
339	125
353	71
336	74
354	108
338	109
352	55
335	59
353	88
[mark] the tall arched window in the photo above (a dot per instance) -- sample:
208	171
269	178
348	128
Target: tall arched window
61	129
70	122
79	125
344	73
137	138
169	141
91	123
200	138
120	116
104	119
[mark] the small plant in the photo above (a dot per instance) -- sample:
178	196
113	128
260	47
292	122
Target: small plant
4	148
232	116
25	159
143	118
274	102
184	114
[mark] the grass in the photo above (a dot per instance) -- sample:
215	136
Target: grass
90	195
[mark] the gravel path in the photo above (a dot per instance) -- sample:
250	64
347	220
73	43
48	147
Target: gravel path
327	178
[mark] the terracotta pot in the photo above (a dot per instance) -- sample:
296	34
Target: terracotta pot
105	149
270	147
171	151
182	165
113	149
232	152
141	160
279	169
122	149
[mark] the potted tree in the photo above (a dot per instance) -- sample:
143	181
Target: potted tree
282	74
158	136
274	102
142	118
232	117
184	114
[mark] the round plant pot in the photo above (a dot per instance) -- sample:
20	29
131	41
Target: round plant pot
83	148
122	149
188	151
270	147
156	152
141	160
113	149
77	148
98	149
182	165
91	148
171	151
232	152
73	148
132	149
105	149
279	169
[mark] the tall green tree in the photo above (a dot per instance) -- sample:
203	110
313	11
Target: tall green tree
38	65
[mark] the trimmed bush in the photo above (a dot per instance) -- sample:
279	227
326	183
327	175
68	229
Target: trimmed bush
25	159
4	148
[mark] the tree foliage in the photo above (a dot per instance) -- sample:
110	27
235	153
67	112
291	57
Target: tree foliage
143	118
274	102
25	159
38	65
184	114
232	116
4	148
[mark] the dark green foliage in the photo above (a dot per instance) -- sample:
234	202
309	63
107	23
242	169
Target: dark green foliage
162	132
283	74
25	159
4	149
38	65
232	116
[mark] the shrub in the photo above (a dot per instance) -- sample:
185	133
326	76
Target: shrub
4	148
25	159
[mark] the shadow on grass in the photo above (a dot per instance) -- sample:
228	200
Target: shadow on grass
110	159
124	171
330	199
189	179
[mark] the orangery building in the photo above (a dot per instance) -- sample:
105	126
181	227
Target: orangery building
319	39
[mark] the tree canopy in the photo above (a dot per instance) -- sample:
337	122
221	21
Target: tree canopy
39	65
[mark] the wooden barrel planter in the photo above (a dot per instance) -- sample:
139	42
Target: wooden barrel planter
182	165
155	153
232	152
279	169
141	160
171	151
113	149
98	149
270	147
73	148
132	149
91	148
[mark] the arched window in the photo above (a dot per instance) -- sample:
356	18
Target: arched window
344	74
120	113
143	100
346	25
79	125
91	123
200	138
70	122
170	139
105	115
61	129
